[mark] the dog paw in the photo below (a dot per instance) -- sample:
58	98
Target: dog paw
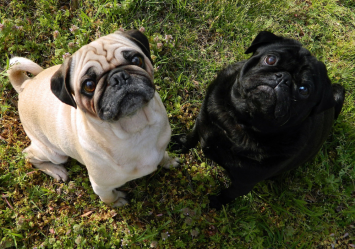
121	201
215	202
57	171
172	163
169	162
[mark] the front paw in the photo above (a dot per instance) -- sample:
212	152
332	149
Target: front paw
121	201
177	144
172	163
169	162
215	202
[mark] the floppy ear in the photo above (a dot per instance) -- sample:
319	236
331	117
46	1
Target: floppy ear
60	84
326	100
140	39
264	37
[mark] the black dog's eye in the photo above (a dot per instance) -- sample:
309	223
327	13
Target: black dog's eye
303	90
270	60
138	61
89	86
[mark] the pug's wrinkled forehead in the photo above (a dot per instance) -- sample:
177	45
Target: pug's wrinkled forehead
107	53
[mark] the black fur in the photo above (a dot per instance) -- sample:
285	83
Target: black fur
60	83
259	120
140	39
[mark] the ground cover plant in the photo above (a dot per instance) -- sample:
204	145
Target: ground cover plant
311	207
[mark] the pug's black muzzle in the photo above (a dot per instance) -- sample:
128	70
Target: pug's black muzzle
119	77
283	92
127	90
271	95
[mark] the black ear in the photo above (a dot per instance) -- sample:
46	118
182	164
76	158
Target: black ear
264	37
60	84
326	100
140	39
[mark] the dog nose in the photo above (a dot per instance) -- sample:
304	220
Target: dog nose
283	78
119	78
124	75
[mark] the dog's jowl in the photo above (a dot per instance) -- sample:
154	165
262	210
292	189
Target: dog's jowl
265	115
99	107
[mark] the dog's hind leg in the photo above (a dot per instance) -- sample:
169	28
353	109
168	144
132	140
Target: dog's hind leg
51	166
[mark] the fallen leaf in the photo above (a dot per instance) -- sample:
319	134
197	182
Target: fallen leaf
86	214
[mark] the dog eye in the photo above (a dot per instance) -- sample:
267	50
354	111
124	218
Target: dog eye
303	90
138	61
270	60
89	86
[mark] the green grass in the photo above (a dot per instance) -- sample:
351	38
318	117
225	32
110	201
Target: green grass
311	207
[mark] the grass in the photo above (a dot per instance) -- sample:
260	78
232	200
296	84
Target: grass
311	207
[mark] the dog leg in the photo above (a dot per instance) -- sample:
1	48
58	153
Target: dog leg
39	160
108	195
169	162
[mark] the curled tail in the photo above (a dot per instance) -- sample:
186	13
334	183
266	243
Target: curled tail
17	72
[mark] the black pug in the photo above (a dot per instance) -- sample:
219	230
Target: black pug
265	115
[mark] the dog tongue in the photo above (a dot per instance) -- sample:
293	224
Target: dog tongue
282	101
